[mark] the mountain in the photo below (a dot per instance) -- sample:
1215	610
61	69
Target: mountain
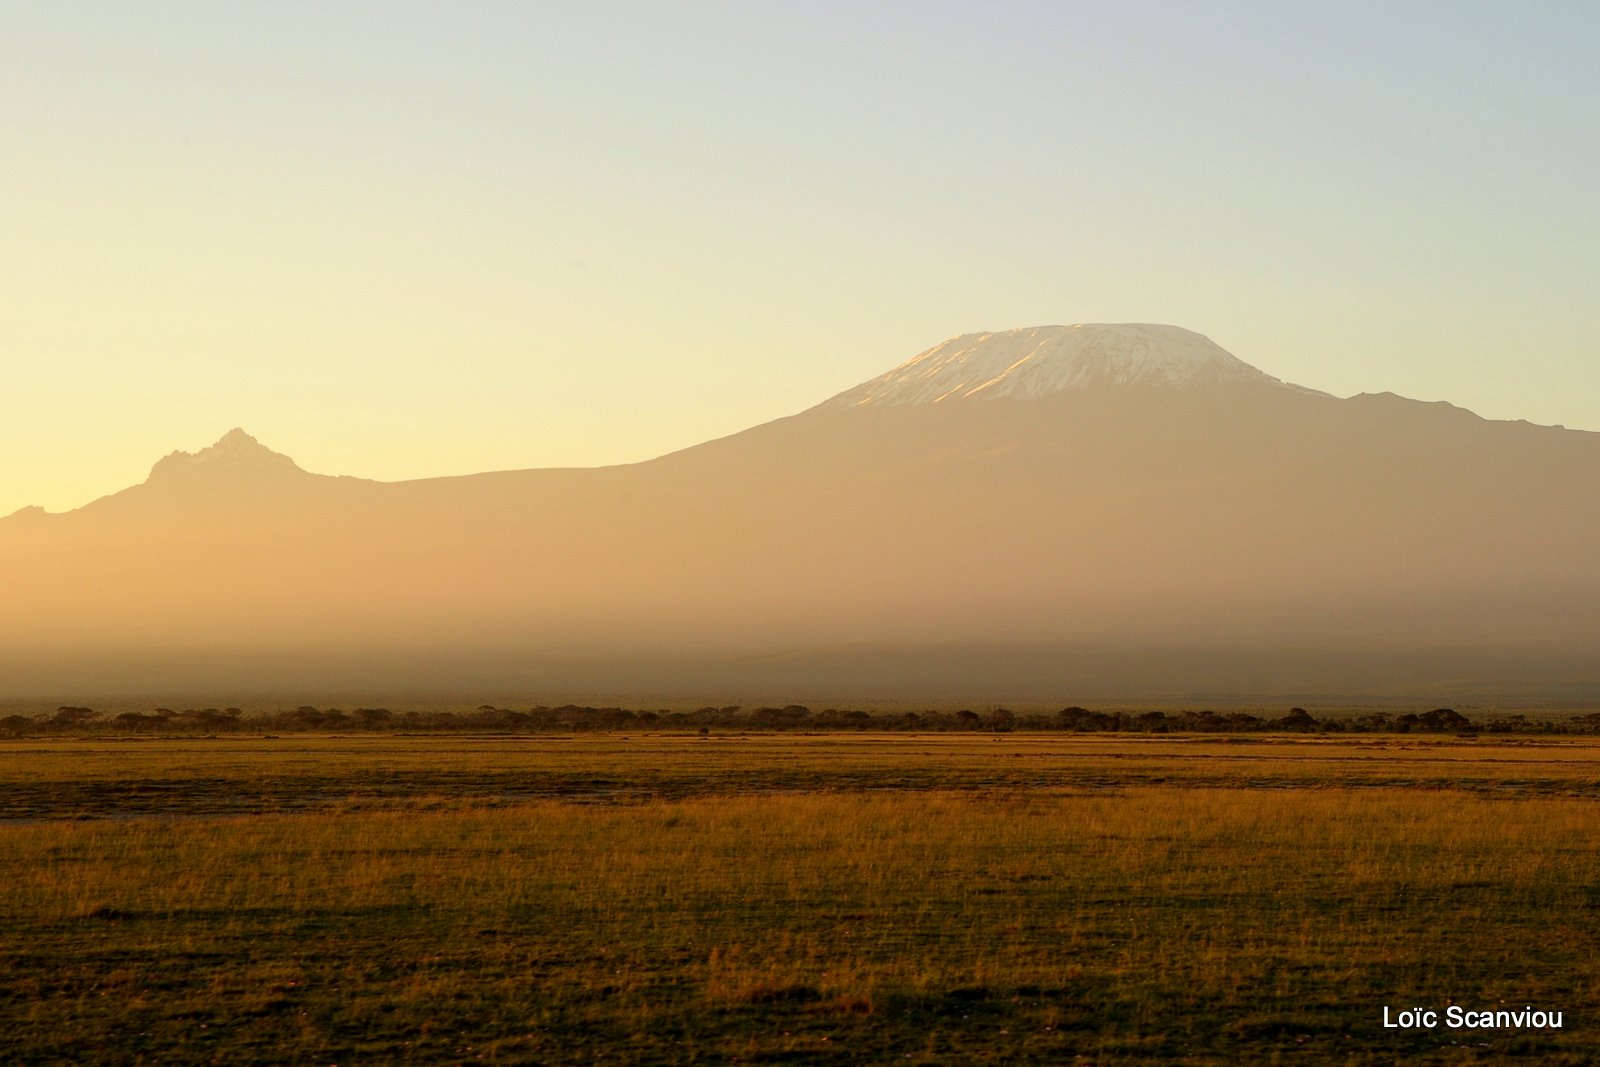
1027	364
235	458
1078	512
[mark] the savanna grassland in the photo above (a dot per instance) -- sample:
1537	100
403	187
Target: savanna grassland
779	898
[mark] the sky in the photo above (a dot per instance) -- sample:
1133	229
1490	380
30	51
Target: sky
407	239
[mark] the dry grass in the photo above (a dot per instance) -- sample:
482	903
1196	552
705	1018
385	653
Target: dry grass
789	899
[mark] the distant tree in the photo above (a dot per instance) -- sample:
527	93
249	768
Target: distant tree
780	718
208	719
1297	719
1071	718
372	718
1206	721
1445	719
614	719
305	717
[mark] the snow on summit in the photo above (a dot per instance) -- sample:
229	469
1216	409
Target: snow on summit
1034	362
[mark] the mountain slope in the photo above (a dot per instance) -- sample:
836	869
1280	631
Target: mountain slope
1134	490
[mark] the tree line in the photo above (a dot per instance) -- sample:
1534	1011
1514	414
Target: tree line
570	718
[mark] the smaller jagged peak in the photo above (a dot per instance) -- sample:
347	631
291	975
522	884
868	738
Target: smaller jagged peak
235	453
1040	360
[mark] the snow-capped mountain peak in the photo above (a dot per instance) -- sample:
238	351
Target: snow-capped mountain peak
1034	362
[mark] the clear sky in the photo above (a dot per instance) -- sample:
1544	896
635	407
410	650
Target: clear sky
406	239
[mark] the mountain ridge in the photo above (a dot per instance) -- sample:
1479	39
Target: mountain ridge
1138	517
981	365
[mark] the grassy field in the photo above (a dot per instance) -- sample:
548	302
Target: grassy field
779	898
